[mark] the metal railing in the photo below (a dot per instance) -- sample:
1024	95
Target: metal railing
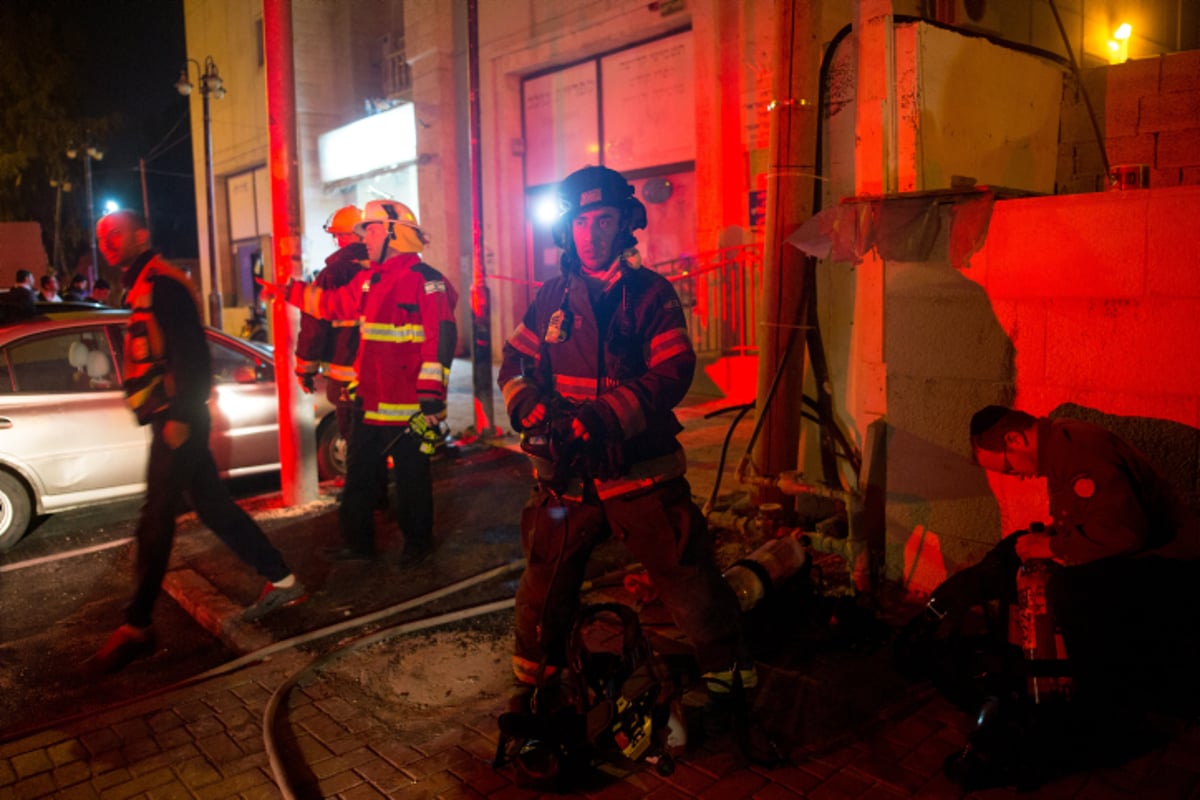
719	292
396	71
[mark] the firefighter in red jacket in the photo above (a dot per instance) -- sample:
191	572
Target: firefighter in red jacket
590	376
332	345
408	336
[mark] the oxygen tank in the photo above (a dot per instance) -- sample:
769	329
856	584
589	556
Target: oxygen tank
753	577
1038	635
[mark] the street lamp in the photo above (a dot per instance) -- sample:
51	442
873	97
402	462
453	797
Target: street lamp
89	154
59	187
210	84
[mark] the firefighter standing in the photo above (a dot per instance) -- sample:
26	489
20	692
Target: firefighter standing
407	340
591	375
1128	546
332	345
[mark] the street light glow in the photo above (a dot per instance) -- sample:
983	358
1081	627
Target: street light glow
110	206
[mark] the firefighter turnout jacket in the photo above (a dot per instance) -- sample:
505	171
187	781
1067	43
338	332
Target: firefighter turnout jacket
407	334
167	365
1107	500
622	347
332	345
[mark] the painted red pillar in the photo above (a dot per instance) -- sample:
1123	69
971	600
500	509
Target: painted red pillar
787	275
481	301
297	447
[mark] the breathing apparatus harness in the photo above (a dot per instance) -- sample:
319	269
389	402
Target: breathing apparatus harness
605	707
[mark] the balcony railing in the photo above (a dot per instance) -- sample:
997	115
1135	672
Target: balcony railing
397	74
719	291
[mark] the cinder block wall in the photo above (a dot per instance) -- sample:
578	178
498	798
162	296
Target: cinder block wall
1148	111
1077	305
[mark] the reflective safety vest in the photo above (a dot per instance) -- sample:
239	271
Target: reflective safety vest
149	386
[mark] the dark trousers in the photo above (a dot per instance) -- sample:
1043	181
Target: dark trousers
170	474
663	529
1130	627
369	446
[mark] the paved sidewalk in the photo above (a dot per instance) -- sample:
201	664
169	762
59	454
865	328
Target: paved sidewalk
854	729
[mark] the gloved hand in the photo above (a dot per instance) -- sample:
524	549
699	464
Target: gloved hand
430	430
604	442
530	409
307	381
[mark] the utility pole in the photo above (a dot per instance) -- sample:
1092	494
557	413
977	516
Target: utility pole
297	448
145	195
787	274
481	305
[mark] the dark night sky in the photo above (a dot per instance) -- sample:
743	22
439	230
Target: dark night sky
134	50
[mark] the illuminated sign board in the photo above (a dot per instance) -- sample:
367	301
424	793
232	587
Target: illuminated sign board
370	144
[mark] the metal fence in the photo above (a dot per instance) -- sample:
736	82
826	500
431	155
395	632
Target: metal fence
719	290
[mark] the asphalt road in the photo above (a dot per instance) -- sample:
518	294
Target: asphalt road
63	589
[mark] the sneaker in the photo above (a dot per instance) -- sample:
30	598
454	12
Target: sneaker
125	645
721	682
274	598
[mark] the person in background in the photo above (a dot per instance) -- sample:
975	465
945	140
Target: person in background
100	292
331	346
19	302
49	290
405	310
78	289
167	381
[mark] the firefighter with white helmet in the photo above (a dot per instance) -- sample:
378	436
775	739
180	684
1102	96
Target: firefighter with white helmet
408	336
331	346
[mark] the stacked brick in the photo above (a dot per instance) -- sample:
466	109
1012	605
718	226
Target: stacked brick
1148	110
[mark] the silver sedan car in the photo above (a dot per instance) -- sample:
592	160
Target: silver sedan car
67	439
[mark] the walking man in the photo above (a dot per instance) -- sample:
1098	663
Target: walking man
168	378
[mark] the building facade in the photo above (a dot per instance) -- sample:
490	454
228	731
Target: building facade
916	99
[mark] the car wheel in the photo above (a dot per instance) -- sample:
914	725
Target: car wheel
15	509
331	451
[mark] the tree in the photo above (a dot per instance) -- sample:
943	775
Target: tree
42	109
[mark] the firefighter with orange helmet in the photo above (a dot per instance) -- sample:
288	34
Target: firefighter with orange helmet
591	376
408	335
331	346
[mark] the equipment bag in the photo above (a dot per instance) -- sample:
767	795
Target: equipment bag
607	707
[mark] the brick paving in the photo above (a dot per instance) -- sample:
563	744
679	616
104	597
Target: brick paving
858	732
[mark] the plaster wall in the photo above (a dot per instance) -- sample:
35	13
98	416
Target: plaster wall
974	109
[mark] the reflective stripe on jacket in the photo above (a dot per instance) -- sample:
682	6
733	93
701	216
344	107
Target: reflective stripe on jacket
332	345
408	334
166	362
627	352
